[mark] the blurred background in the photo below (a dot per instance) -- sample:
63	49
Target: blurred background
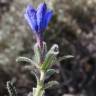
73	28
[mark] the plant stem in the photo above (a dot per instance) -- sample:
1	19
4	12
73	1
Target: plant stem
39	91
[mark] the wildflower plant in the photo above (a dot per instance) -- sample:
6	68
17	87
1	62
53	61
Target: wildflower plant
40	66
43	59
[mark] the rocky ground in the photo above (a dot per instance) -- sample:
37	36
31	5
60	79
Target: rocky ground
73	27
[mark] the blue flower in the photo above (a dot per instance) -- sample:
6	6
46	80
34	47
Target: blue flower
38	19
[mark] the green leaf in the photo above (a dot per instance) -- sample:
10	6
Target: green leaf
65	57
49	73
37	53
50	58
44	50
51	84
25	59
11	89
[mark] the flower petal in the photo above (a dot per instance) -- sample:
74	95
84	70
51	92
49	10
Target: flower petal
30	16
48	17
41	11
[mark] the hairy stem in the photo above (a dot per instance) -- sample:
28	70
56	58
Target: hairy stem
40	84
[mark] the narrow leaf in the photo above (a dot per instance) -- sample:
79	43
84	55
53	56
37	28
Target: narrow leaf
37	54
49	73
51	84
11	89
50	58
44	51
65	57
22	59
49	61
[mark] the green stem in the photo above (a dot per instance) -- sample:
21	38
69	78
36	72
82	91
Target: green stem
39	89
